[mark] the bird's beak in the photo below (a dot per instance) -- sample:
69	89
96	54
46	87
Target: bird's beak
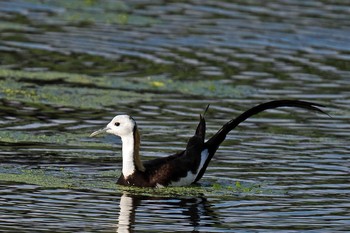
104	130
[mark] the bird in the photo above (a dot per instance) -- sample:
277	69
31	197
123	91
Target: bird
187	166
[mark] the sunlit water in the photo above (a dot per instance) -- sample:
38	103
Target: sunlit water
285	170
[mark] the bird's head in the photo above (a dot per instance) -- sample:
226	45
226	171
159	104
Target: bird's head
121	125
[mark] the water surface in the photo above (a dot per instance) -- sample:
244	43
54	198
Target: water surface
67	68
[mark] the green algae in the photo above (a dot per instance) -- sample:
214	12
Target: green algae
87	12
46	76
37	177
83	91
88	98
107	181
86	5
12	26
59	177
66	139
20	136
209	88
13	87
87	18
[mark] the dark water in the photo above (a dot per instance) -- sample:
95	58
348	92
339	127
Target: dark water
67	67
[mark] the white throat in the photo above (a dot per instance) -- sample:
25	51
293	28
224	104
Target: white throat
128	155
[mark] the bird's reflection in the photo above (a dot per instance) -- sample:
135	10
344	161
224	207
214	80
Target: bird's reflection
192	208
126	217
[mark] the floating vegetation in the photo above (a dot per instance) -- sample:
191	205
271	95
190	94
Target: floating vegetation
107	18
90	12
79	95
29	137
10	26
107	180
216	189
83	91
37	177
207	88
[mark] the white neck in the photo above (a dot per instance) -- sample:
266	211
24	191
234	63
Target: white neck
128	155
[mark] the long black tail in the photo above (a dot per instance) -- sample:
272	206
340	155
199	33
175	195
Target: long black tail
214	142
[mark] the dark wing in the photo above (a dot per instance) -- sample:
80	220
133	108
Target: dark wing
163	171
200	131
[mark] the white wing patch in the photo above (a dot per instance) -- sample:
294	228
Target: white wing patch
204	157
190	177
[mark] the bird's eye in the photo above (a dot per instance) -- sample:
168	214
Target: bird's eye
117	124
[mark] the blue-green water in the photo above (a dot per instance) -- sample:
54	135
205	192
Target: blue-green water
67	67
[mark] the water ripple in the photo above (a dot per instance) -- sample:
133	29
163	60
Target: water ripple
284	170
